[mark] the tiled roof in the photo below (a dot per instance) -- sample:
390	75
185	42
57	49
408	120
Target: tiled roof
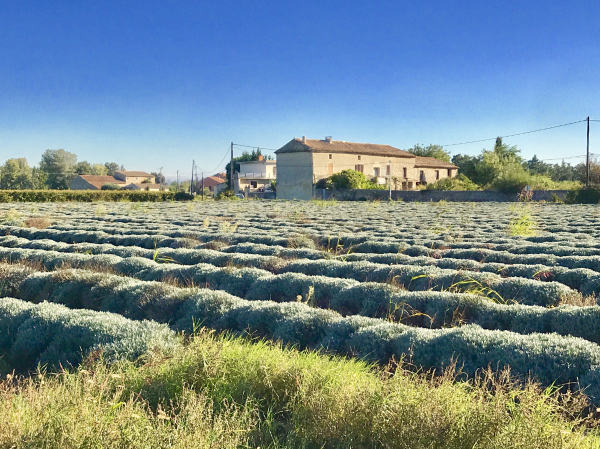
338	146
432	162
212	181
99	180
135	173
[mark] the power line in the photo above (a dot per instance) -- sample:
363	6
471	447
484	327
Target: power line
220	164
516	134
254	147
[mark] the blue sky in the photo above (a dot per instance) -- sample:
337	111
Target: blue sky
157	84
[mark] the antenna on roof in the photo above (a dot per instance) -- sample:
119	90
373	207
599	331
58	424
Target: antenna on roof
328	139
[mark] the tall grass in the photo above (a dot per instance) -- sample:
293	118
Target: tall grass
222	392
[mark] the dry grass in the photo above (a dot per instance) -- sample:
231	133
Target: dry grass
38	222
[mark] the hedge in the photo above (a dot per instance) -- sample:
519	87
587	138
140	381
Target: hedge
549	358
55	336
43	196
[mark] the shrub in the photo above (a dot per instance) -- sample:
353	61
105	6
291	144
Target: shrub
111	187
53	335
583	196
460	182
7	196
348	179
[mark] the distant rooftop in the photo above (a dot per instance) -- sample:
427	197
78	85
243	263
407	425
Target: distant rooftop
134	173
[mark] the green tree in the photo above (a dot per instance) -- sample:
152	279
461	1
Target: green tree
466	164
16	174
99	169
497	163
563	172
436	151
83	168
59	166
111	168
534	165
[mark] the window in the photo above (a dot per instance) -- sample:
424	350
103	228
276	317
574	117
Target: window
404	172
375	171
359	157
437	175
330	169
253	184
359	167
449	173
330	156
388	170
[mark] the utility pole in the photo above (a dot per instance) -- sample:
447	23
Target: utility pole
192	181
587	155
177	181
231	169
202	185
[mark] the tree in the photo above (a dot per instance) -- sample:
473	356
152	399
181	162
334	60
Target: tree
594	171
436	151
563	172
16	174
159	178
83	168
111	168
534	165
59	166
99	169
501	161
466	164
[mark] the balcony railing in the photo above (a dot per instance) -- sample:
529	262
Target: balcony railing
254	176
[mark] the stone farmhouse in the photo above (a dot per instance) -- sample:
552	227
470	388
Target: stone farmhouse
303	162
130	180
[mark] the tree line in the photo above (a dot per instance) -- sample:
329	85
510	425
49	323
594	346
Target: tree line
55	171
503	168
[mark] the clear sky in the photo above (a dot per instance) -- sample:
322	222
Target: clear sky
155	84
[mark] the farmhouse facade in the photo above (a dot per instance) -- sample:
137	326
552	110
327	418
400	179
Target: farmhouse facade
254	176
130	180
301	163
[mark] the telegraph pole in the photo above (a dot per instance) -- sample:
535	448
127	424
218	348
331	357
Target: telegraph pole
177	181
587	155
202	185
231	169
192	181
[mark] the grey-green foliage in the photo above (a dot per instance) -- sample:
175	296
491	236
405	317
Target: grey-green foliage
347	296
412	277
53	335
547	357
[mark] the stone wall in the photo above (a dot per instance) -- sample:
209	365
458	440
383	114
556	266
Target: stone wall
433	195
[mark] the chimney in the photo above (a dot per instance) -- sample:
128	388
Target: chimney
260	157
328	139
303	139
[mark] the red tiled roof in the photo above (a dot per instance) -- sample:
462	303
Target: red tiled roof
99	180
337	146
134	173
212	181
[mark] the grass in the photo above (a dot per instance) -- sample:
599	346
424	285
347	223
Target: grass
223	392
522	223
